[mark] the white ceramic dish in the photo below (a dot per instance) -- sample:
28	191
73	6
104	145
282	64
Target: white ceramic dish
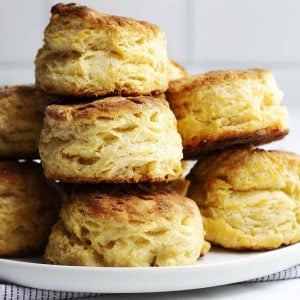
218	267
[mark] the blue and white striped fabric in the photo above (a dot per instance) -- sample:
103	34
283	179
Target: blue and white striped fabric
15	292
290	273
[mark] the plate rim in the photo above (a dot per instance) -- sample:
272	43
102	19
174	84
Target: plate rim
247	266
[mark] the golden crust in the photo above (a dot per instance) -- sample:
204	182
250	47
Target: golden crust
99	20
29	90
29	206
188	84
105	107
126	225
220	109
118	198
115	139
8	90
249	198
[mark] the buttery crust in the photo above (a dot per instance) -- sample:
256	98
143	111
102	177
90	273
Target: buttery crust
90	54
100	20
22	112
107	107
212	78
29	206
126	225
115	139
219	109
249	198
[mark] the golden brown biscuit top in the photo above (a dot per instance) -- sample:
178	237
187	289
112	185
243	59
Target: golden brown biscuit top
104	107
247	168
97	19
30	93
133	200
7	90
13	171
216	77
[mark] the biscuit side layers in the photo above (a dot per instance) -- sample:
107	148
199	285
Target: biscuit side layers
115	139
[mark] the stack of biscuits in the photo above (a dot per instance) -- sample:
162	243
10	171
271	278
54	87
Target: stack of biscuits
114	144
114	125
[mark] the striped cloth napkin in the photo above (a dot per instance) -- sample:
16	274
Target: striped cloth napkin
290	273
14	292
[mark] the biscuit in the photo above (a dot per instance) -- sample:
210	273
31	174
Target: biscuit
249	198
21	120
87	53
115	139
126	225
180	185
28	208
176	71
219	109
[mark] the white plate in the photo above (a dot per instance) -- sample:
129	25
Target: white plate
218	267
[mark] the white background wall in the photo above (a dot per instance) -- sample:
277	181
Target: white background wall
202	35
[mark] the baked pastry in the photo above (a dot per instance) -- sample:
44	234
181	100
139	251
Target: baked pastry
176	71
249	198
115	139
87	53
219	109
126	225
22	112
29	206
